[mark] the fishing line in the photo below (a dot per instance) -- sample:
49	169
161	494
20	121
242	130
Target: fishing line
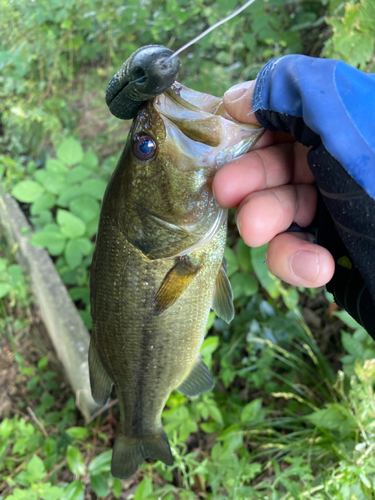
141	78
208	30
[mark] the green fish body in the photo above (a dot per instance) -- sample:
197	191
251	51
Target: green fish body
158	266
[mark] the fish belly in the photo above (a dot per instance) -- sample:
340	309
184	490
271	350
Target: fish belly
146	355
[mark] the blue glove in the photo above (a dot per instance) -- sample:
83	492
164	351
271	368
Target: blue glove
330	106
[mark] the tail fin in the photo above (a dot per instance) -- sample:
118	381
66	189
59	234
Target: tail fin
129	453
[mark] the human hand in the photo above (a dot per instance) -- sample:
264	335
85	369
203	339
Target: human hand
272	186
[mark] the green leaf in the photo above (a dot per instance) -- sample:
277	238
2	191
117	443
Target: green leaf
77	174
216	415
75	250
15	274
92	226
94	187
22	495
27	191
232	261
54	182
6	427
77	432
243	256
3	265
44	202
51	238
269	282
101	463
117	487
54	165
70	152
211	319
35	469
86	317
251	411
90	160
223	458
347	319
4	289
209	427
68	195
80	293
210	345
42	363
42	219
47	401
351	345
71	226
290	297
73	254
49	492
326	419
86	207
75	460
144	489
243	284
75	491
100	485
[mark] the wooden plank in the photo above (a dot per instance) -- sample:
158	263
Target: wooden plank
65	327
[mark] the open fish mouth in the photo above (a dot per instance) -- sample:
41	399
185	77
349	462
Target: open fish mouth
202	119
150	73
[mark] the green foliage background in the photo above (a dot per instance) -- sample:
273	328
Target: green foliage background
283	423
47	47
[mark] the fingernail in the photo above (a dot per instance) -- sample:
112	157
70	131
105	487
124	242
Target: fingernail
237	91
305	265
239	221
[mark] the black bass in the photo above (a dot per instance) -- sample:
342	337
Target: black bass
158	265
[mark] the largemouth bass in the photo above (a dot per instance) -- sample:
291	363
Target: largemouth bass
158	265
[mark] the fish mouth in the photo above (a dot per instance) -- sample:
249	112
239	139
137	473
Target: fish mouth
204	129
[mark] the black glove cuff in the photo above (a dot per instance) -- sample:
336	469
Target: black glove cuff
294	125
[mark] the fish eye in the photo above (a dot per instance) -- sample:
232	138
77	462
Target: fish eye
144	147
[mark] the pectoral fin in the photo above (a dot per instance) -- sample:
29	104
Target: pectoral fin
223	296
101	384
199	380
174	284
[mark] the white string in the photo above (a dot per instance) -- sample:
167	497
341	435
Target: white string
211	28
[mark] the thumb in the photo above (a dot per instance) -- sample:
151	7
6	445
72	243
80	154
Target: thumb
237	102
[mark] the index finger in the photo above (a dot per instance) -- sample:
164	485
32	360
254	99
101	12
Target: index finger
261	169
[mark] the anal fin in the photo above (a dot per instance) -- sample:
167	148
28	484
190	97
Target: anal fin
223	296
199	380
174	284
101	384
